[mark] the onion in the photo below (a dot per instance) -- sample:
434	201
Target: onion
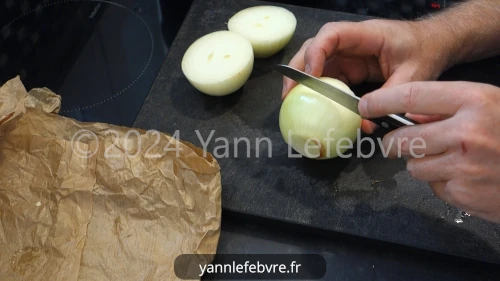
268	28
218	63
315	126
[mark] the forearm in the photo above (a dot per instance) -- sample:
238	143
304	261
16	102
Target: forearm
470	31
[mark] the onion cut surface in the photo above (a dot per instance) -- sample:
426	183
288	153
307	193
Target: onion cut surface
218	63
315	126
268	28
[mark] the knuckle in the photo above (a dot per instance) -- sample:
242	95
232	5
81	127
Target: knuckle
373	107
452	194
404	141
461	135
307	43
435	189
438	188
402	136
409	97
458	196
466	141
339	27
332	29
469	170
397	142
329	26
468	137
416	138
459	193
421	137
413	169
482	96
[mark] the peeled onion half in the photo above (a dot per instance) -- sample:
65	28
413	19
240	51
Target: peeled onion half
268	28
315	126
218	63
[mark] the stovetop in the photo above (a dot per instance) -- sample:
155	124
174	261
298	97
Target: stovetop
100	56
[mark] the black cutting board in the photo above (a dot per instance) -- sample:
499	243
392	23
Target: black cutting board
374	198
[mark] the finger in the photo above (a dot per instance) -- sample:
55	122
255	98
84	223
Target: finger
404	74
425	118
356	70
296	62
444	191
433	168
426	98
368	127
417	141
439	188
353	38
333	69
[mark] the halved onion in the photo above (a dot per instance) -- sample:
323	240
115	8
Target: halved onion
268	28
218	63
315	126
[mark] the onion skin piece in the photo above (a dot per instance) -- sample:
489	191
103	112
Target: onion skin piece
315	126
268	28
218	63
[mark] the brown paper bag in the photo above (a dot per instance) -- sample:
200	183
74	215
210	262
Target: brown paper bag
89	201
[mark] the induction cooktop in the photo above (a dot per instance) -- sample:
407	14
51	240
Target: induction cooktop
100	56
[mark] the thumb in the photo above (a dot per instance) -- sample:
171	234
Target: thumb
401	76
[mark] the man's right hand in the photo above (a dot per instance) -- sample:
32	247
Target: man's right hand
387	51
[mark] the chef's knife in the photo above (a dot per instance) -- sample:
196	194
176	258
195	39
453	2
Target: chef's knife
390	122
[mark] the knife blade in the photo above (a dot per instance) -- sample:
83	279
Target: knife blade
391	122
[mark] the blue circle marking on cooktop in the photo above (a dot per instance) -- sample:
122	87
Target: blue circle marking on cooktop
99	1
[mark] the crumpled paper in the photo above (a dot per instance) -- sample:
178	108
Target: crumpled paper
107	203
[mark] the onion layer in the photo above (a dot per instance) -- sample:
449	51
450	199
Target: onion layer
218	63
315	126
268	28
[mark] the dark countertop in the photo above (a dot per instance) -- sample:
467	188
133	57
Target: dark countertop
372	198
348	258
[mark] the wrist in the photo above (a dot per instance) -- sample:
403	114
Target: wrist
439	46
446	43
465	33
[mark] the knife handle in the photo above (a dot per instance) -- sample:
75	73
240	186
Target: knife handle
393	122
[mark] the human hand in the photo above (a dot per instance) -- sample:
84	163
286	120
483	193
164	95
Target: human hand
461	151
387	51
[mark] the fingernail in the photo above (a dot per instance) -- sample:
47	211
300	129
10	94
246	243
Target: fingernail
308	69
